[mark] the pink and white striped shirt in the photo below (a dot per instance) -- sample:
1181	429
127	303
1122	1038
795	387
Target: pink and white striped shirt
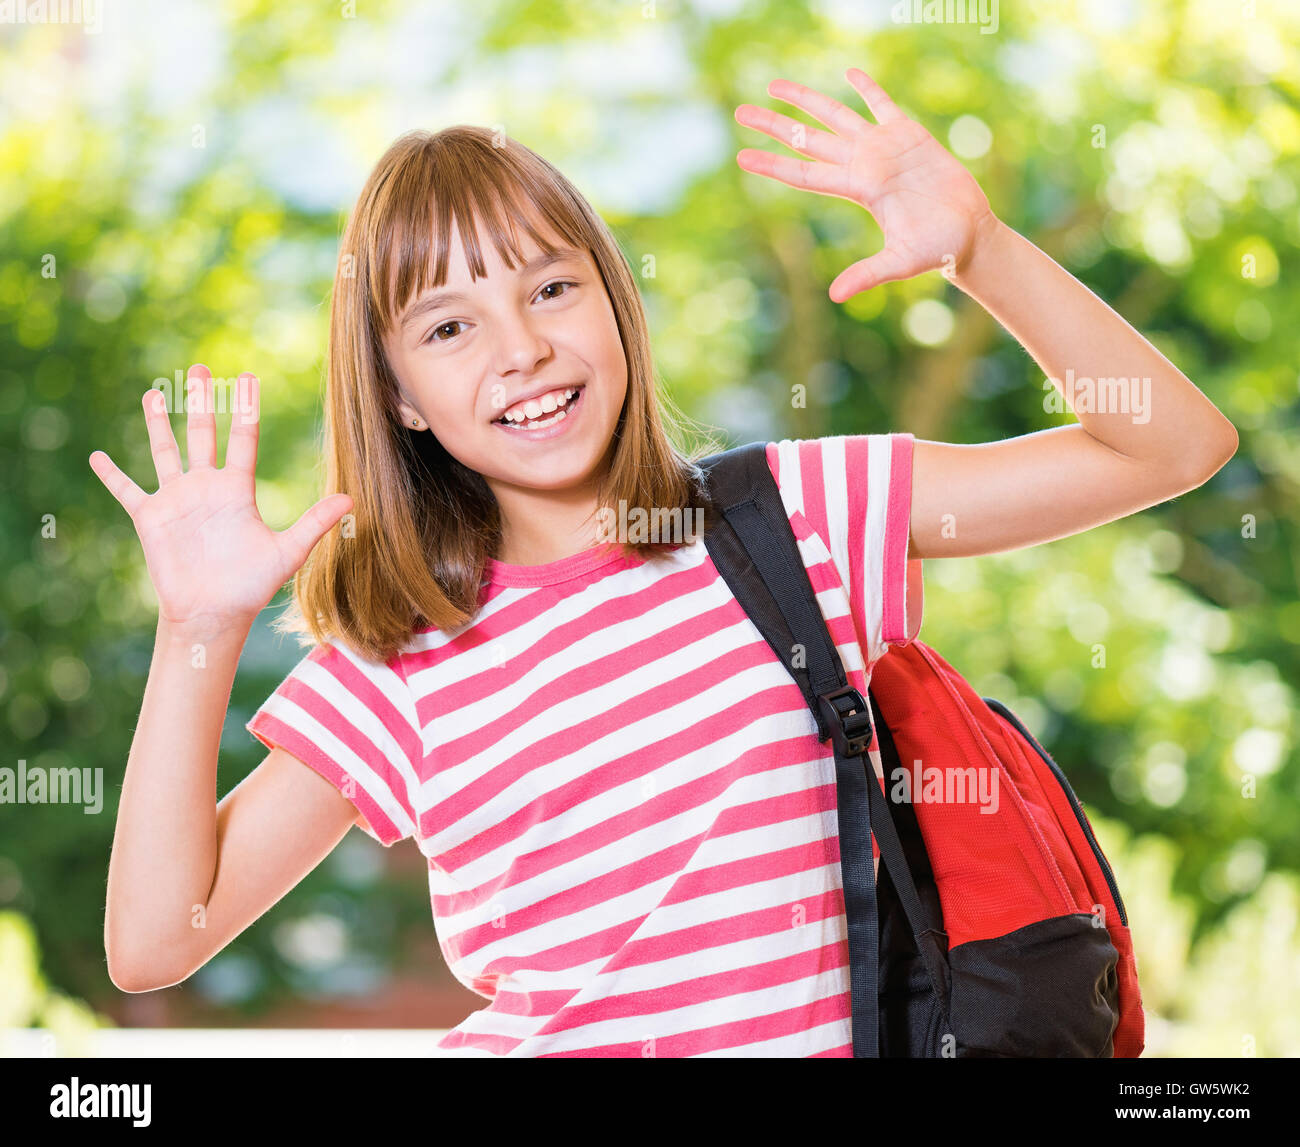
629	823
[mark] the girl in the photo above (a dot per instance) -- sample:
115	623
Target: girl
628	820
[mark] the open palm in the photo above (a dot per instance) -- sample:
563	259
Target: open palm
928	206
212	560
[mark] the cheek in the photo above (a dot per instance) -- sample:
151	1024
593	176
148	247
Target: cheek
618	375
443	399
445	406
611	357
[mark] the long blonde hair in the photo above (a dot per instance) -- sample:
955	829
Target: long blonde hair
413	550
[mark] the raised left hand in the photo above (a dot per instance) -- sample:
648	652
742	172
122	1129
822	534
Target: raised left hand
929	207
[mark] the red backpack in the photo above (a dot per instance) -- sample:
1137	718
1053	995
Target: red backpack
997	928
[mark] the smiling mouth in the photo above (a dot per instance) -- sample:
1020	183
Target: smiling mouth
545	417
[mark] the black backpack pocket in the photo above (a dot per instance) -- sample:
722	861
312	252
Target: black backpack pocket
1045	991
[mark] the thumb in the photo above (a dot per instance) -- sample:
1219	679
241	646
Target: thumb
301	538
885	266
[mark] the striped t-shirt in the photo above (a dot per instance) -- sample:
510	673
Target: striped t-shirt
629	823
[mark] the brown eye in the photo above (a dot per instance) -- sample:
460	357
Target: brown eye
433	333
557	283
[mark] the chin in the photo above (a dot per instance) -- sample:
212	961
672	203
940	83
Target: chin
553	475
540	468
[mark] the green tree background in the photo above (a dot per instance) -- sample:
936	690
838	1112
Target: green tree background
172	190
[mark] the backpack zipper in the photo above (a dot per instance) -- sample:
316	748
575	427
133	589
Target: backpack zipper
1000	708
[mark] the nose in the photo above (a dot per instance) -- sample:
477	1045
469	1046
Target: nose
521	346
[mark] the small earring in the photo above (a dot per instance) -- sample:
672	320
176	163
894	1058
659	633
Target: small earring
415	422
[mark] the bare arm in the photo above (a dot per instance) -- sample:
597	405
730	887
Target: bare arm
273	828
1145	432
164	845
186	876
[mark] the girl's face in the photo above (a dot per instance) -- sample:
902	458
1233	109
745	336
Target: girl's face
520	375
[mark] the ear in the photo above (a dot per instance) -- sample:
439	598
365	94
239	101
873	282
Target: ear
410	416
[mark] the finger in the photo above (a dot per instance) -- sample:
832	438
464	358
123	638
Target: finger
162	442
129	496
795	135
200	419
831	112
241	447
823	178
885	266
301	538
878	102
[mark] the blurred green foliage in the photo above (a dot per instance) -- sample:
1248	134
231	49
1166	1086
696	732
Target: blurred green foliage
151	224
28	1001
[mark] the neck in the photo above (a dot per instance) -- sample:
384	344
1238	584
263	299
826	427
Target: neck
541	526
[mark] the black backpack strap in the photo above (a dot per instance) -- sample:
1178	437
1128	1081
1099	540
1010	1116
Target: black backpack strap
756	553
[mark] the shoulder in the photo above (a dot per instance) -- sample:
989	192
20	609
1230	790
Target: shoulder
796	461
338	669
844	483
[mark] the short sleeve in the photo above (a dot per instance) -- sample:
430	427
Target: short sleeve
353	721
855	492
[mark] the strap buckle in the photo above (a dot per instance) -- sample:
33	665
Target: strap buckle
848	718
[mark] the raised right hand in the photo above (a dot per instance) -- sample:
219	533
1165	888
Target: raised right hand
212	560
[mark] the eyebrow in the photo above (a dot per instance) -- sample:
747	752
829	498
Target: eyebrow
440	299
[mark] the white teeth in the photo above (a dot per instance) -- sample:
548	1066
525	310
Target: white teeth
534	408
538	425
